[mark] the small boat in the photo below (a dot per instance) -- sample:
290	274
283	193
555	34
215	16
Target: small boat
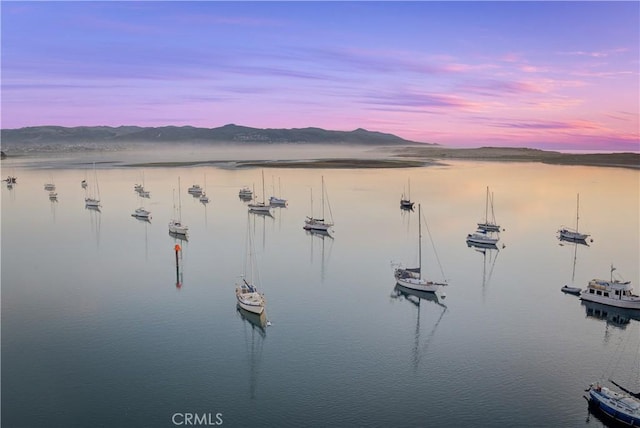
175	225
247	293
203	197
312	223
245	194
53	196
141	213
93	201
50	186
138	187
144	193
612	292
412	277
277	201
195	190
405	200
622	407
482	238
260	207
571	290
11	179
84	184
489	225
572	235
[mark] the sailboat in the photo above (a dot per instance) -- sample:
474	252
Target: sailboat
312	223
412	277
405	200
567	234
247	294
489	225
203	197
176	227
277	201
622	406
50	186
260	207
486	234
93	201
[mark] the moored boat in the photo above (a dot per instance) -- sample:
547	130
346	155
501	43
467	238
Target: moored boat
611	292
623	408
571	290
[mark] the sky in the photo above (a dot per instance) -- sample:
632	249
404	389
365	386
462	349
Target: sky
550	75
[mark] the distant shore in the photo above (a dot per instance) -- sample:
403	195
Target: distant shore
511	154
405	156
413	156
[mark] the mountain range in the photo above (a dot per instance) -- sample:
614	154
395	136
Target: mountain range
225	134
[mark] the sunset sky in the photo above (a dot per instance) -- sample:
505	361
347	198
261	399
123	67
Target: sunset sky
552	75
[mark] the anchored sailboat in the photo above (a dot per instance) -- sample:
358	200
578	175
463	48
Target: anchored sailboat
312	223
572	235
412	277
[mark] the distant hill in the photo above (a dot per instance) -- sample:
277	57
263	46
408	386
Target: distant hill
228	133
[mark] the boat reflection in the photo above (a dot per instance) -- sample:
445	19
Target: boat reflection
179	236
322	236
489	256
416	297
564	239
254	333
613	316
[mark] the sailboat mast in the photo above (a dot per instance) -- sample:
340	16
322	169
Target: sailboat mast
486	207
263	186
179	203
577	211
419	242
323	197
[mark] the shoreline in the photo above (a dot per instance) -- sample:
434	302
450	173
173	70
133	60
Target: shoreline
410	156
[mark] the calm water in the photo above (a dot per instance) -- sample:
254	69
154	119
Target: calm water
95	331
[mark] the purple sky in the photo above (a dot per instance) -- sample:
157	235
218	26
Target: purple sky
556	75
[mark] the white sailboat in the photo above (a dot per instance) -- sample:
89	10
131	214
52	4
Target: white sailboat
247	294
277	201
260	207
203	197
567	234
412	277
312	223
489	225
487	233
93	200
176	227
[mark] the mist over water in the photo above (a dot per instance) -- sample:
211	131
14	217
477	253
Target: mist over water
96	330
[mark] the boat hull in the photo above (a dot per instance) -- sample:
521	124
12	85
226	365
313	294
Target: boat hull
251	302
178	229
259	208
618	303
316	225
571	290
609	403
417	284
481	239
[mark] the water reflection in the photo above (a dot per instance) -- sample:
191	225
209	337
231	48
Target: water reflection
95	219
615	317
254	334
416	297
489	257
325	253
